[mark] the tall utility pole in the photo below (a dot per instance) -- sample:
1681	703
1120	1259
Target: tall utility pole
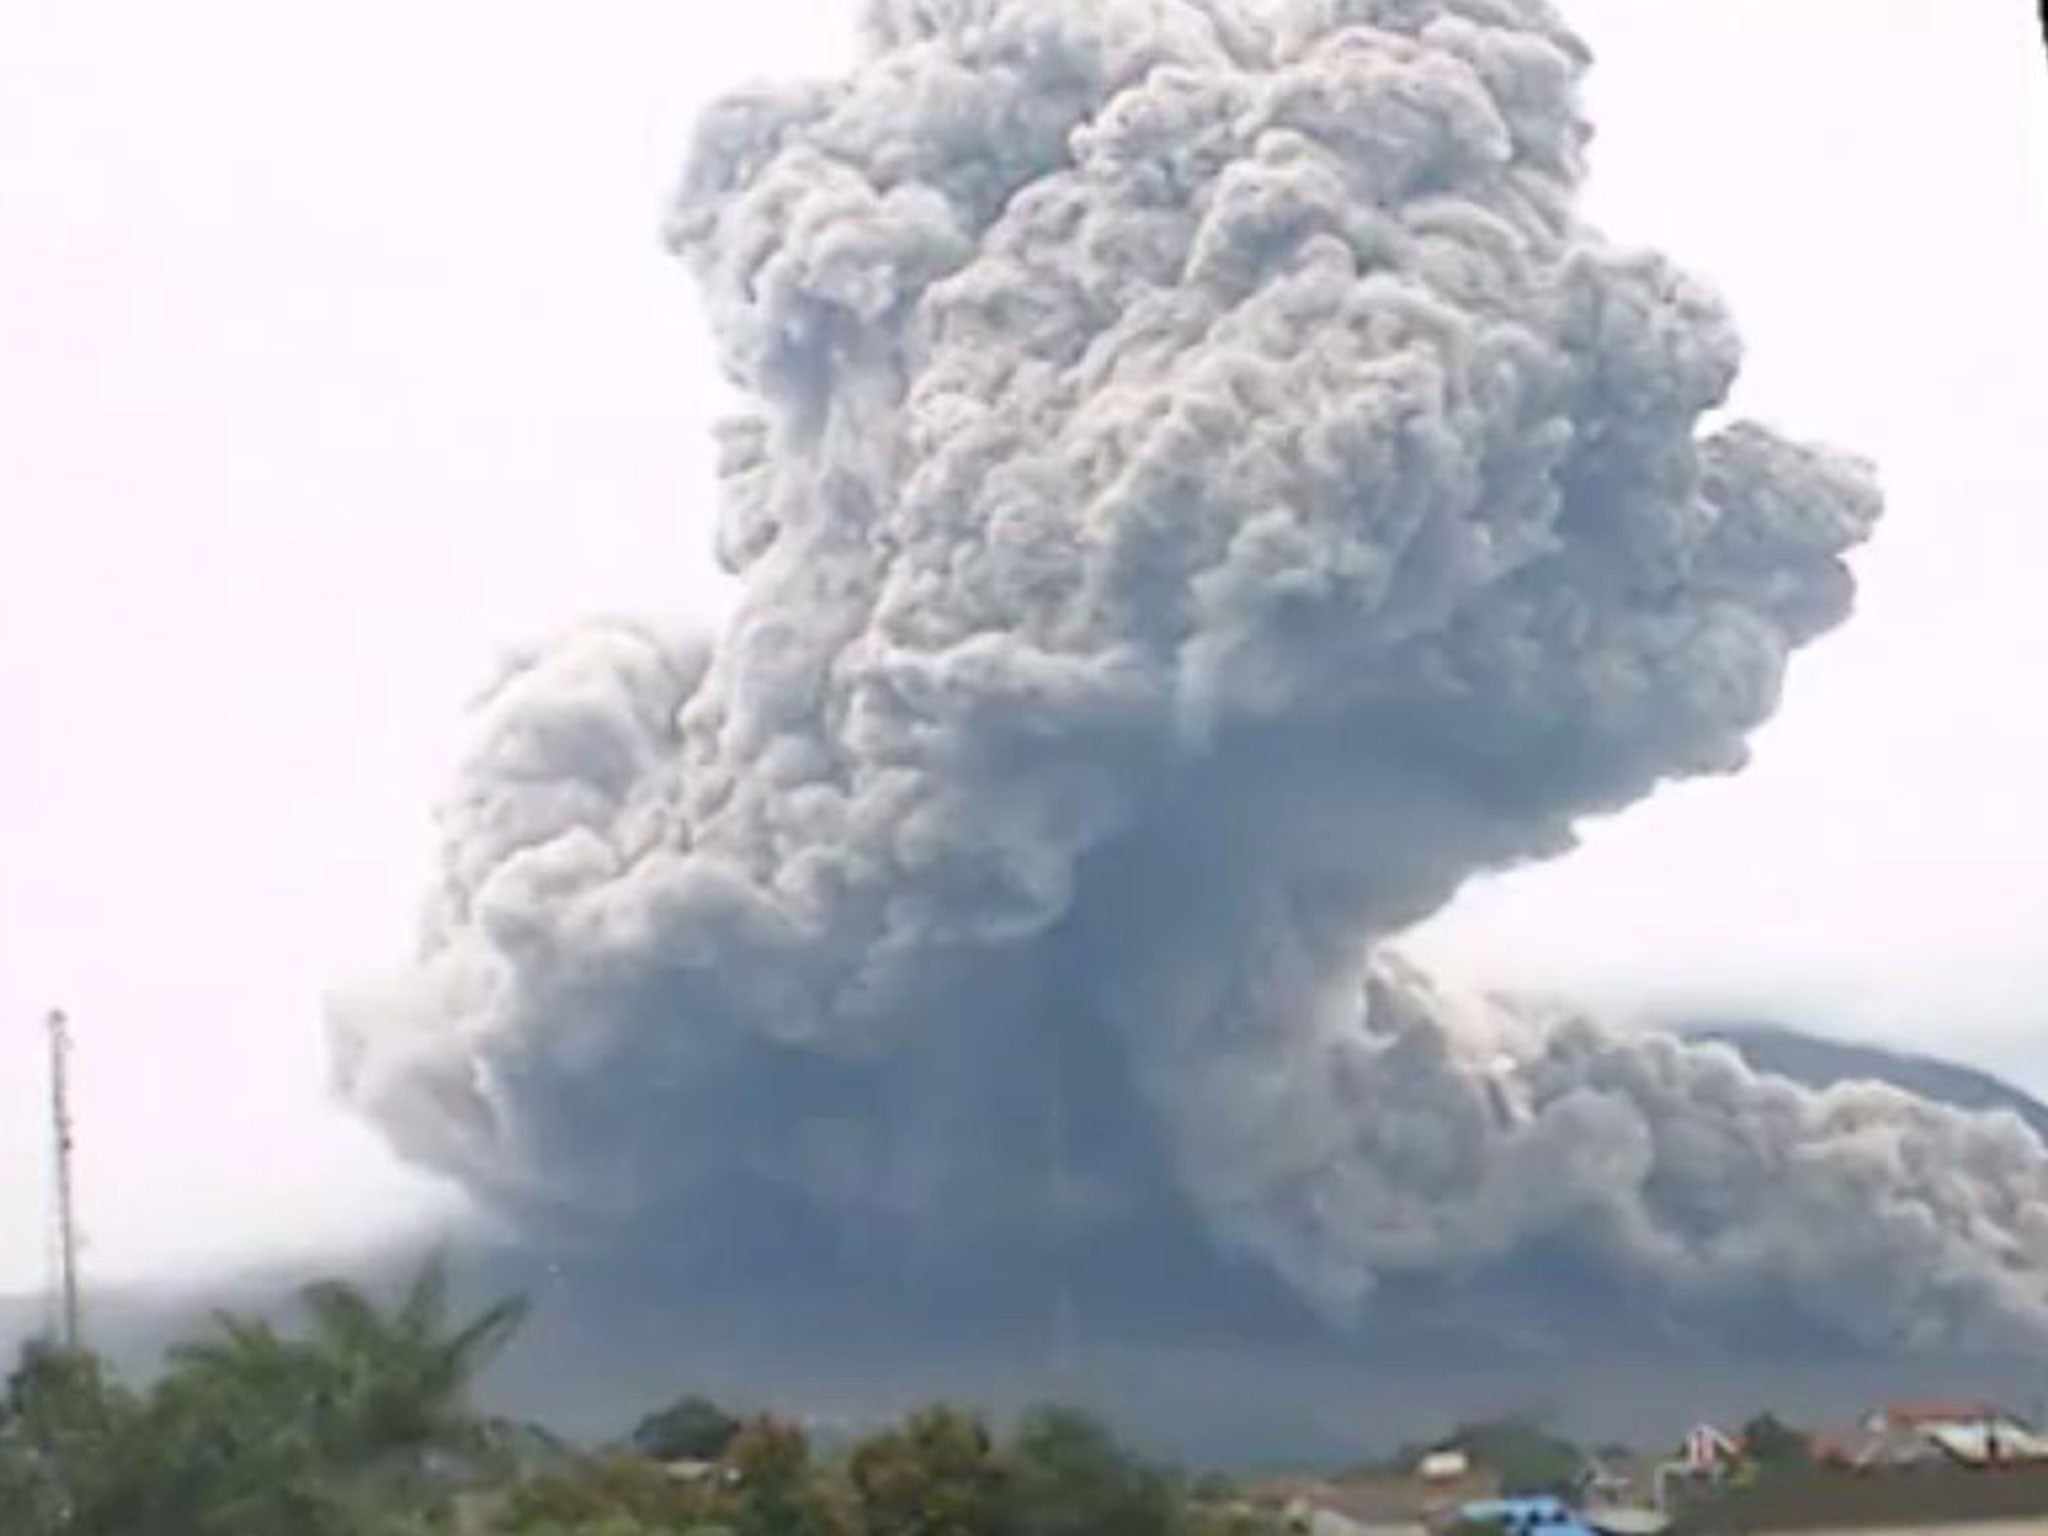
67	1214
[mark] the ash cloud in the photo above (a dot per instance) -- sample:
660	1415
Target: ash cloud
1205	496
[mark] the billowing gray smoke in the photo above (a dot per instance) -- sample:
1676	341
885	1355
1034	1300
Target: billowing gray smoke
1206	497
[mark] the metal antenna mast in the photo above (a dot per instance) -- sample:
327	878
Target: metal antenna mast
61	1130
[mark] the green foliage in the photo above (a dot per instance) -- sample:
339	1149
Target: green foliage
690	1429
773	1492
65	1432
1232	1519
765	1486
359	1424
1070	1477
613	1525
613	1488
360	1427
1527	1458
1772	1443
938	1473
393	1388
936	1476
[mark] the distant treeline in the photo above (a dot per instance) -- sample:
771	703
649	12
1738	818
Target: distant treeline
361	1423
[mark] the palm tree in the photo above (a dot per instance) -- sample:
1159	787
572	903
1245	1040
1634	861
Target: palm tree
63	1419
255	1431
231	1442
395	1386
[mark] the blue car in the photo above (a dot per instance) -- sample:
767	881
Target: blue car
1537	1515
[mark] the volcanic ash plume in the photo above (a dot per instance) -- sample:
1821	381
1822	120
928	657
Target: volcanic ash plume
1205	497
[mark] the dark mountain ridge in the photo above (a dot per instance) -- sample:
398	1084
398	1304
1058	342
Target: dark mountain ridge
1820	1063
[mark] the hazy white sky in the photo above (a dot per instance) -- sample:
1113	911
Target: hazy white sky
338	354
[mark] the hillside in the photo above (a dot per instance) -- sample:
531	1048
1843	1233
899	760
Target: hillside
1820	1063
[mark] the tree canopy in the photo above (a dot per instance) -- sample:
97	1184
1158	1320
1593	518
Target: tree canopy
354	1414
1528	1458
689	1429
251	1431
